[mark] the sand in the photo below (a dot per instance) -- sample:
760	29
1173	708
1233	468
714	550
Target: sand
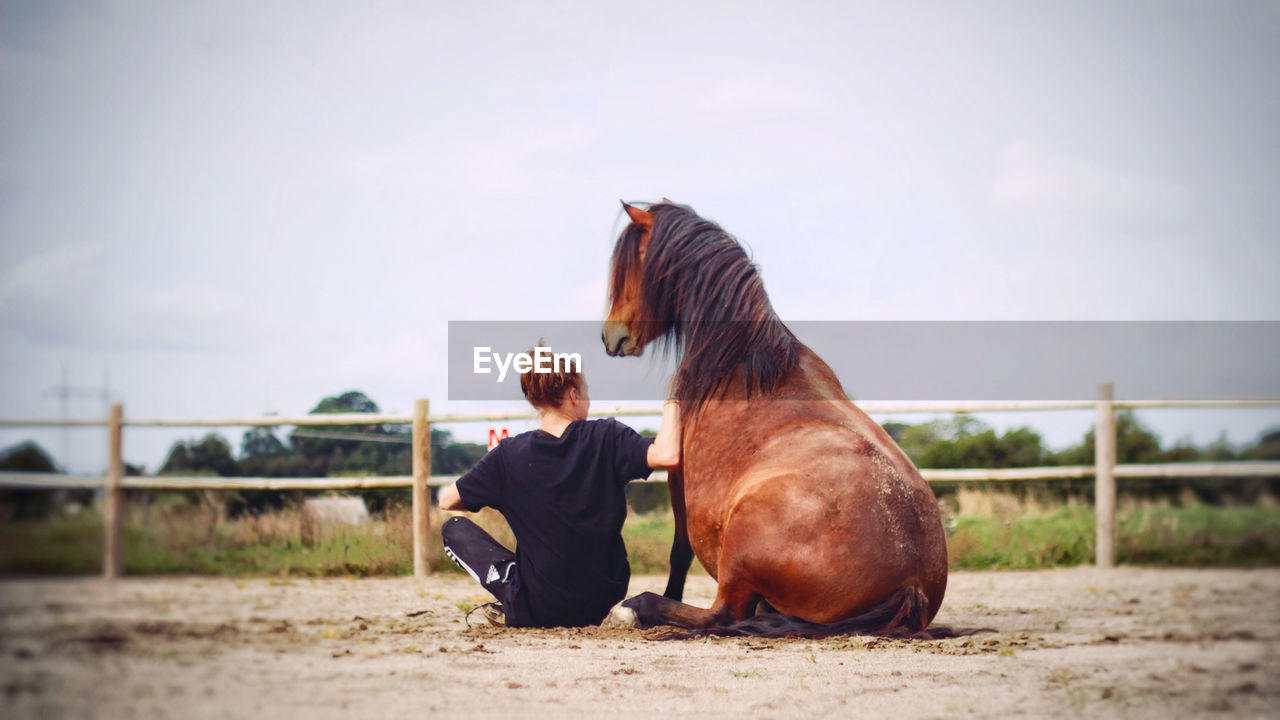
1082	642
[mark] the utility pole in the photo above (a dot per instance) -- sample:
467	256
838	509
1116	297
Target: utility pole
64	391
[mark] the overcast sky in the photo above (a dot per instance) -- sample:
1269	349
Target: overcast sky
236	207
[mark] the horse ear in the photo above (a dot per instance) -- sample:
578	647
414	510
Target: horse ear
643	218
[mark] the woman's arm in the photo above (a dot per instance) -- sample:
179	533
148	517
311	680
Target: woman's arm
449	499
664	453
483	482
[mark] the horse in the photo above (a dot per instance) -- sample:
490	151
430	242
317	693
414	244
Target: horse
809	516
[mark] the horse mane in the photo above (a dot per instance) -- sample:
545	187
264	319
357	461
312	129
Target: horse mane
700	278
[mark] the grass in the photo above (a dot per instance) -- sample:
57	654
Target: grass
180	544
648	539
1001	531
1060	537
986	530
1200	536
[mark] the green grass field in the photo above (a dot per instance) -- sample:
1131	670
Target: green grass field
985	531
1186	537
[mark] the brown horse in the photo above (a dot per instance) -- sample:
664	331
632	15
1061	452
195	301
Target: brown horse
812	520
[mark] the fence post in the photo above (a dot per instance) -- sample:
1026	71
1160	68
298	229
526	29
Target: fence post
113	507
421	496
1104	444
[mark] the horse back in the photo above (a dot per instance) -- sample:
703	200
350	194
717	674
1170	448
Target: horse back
735	438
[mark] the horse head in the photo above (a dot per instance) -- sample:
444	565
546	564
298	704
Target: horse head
679	278
630	324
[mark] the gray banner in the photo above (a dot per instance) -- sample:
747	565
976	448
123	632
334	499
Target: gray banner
919	360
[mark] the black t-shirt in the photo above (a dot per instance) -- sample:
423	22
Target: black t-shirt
564	499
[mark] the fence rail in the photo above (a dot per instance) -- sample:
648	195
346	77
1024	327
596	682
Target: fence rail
32	480
872	407
1104	470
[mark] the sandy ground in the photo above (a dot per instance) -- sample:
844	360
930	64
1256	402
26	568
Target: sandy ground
1081	642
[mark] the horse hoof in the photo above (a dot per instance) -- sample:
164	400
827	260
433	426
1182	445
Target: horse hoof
621	617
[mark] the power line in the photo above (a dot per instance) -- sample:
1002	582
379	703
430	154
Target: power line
353	436
64	391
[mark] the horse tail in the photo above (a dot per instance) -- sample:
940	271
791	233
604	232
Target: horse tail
905	613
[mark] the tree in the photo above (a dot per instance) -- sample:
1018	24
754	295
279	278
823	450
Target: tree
352	401
1220	450
20	504
26	457
264	454
1135	443
452	458
1021	447
966	442
260	443
895	430
1267	447
327	456
211	455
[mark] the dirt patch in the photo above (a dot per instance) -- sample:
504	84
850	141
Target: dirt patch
1129	642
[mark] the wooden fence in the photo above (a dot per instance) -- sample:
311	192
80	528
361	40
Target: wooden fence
1104	470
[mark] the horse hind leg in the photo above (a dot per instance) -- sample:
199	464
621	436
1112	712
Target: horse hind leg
652	609
733	602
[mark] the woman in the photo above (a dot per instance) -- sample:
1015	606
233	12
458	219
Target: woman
561	489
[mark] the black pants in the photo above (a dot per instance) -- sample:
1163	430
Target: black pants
486	560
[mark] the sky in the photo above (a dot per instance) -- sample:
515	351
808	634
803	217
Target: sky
224	209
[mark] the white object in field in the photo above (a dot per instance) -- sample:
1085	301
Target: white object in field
342	510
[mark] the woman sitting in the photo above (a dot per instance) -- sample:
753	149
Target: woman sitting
561	489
